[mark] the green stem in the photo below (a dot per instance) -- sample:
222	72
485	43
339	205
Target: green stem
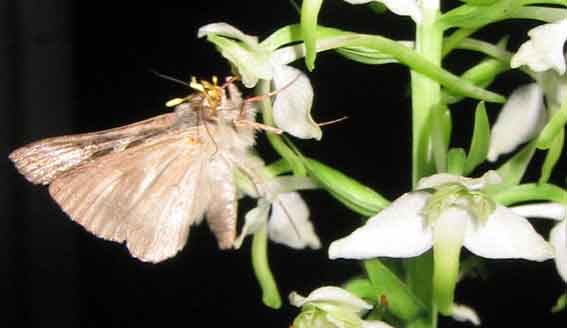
270	294
426	94
452	41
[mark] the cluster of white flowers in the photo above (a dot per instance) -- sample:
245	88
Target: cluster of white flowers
445	211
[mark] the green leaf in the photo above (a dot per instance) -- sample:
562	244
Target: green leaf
473	16
420	64
309	12
270	294
480	140
362	288
552	156
456	161
513	170
530	192
552	128
282	36
366	56
293	33
401	301
278	167
544	14
561	303
347	190
377	7
381	47
480	2
482	75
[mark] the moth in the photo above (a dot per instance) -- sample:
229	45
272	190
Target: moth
147	183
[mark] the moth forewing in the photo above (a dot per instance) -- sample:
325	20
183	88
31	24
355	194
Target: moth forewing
146	183
42	161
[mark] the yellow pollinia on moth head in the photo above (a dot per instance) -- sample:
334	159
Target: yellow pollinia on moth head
211	91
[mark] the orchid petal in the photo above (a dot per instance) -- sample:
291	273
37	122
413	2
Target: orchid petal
489	178
521	118
507	235
227	30
448	235
397	231
292	106
553	211
559	241
464	313
242	50
253	220
333	295
399	7
289	223
544	49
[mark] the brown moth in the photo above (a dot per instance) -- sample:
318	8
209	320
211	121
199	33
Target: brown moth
146	183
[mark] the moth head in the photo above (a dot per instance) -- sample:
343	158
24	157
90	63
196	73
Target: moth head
210	91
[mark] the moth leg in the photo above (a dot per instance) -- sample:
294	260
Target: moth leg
257	126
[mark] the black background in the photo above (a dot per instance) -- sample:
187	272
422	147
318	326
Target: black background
69	66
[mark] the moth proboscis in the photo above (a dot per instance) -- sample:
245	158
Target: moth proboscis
146	183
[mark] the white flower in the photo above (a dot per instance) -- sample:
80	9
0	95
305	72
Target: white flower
292	104
332	307
557	237
288	223
464	313
405	229
520	119
524	115
399	7
544	49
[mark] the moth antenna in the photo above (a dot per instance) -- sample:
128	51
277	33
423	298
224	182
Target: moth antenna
250	100
333	121
272	93
170	78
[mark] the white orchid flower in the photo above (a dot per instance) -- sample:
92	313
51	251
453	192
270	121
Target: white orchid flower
557	237
544	49
404	230
294	98
332	307
521	118
288	223
453	214
399	7
525	114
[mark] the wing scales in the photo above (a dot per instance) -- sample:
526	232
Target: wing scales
42	161
148	196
